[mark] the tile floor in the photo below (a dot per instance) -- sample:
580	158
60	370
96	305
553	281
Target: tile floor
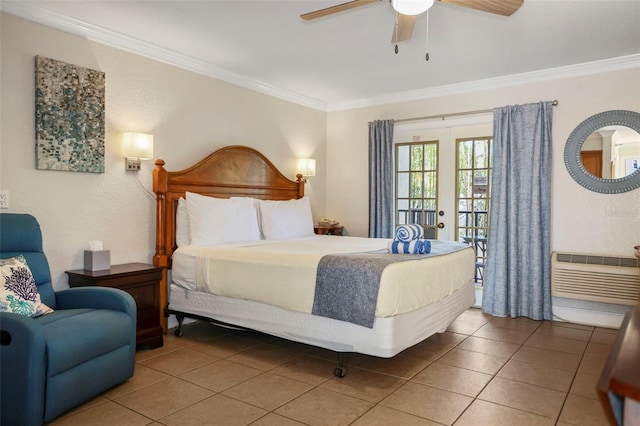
483	371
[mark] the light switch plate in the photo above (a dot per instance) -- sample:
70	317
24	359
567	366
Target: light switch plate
4	199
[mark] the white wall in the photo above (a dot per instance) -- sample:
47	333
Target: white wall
192	115
582	221
189	114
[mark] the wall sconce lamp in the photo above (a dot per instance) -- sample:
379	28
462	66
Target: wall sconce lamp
307	167
137	146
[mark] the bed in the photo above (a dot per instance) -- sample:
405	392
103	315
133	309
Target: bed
239	281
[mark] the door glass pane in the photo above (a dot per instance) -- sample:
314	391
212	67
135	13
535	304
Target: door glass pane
402	217
465	183
480	173
430	182
465	154
465	213
482	154
481	205
402	211
416	157
402	155
464	204
403	185
430	214
416	185
430	157
430	204
415	215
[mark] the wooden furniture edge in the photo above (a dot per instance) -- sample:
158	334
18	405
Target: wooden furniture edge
621	372
231	171
125	276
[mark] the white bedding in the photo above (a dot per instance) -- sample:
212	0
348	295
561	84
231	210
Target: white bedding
387	338
283	273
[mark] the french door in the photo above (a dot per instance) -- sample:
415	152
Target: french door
442	178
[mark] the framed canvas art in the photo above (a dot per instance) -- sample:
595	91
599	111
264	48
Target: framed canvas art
69	117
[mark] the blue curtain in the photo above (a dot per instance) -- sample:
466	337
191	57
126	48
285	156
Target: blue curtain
517	280
381	179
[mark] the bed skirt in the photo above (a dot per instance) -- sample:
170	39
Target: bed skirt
388	337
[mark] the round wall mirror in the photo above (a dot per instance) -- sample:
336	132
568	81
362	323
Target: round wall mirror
603	152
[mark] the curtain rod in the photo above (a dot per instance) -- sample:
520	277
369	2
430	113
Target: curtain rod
454	114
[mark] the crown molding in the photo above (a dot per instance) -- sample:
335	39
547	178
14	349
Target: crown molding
39	14
588	68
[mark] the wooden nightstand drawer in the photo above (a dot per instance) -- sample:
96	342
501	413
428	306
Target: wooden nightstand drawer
144	295
147	317
142	282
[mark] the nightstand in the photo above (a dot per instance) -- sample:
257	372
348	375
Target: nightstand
141	281
328	229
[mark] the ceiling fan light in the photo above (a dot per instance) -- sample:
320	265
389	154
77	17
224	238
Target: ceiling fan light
411	7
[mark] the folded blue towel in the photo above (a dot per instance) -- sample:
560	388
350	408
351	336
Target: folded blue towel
409	232
409	247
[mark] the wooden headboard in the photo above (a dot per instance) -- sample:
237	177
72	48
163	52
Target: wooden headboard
232	171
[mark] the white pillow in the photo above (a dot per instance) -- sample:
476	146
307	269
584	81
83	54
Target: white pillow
255	202
282	220
221	220
183	233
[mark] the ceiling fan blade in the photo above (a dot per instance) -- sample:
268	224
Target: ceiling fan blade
499	7
335	9
405	28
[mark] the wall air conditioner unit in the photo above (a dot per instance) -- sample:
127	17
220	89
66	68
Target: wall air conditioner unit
596	278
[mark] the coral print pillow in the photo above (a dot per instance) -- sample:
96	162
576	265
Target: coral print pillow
18	291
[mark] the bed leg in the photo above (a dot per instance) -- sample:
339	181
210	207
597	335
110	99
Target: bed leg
339	370
179	332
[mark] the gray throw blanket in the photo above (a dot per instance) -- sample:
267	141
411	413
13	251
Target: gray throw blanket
347	284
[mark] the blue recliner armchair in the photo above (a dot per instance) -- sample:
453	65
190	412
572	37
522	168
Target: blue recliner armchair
52	363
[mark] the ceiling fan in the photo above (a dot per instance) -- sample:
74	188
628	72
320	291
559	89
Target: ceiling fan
409	9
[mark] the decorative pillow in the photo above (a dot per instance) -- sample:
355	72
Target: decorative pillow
221	220
183	233
283	220
18	290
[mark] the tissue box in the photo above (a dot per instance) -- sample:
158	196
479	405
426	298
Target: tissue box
97	260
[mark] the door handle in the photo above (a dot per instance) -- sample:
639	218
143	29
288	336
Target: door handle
441	225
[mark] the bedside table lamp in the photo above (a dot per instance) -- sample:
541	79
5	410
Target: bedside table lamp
137	146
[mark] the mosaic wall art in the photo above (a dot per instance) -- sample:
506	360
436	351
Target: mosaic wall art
69	117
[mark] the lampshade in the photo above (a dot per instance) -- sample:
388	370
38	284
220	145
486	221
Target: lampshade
138	145
411	7
307	167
